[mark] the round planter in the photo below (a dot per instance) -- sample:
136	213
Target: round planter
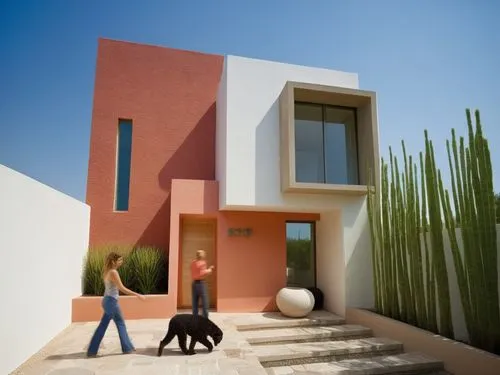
295	302
318	298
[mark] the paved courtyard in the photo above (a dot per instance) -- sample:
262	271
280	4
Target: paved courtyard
65	355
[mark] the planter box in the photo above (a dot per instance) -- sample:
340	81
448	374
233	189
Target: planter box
156	306
458	358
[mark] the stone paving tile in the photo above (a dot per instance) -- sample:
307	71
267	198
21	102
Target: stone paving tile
65	355
269	353
365	366
305	333
277	320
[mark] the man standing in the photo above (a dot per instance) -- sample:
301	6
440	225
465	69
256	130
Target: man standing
199	288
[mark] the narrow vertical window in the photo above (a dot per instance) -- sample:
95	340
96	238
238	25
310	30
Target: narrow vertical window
123	161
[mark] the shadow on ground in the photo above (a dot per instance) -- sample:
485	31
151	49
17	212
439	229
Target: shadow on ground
150	352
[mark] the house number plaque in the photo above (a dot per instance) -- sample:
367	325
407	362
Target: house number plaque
239	232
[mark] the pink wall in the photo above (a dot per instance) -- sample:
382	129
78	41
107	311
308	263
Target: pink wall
170	96
195	197
189	197
250	270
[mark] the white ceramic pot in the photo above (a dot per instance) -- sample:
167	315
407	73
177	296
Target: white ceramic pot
295	302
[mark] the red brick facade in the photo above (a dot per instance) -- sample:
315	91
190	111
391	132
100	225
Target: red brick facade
170	97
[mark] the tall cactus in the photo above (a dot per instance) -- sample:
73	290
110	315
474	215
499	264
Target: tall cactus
433	178
476	266
404	286
380	213
413	245
411	279
430	290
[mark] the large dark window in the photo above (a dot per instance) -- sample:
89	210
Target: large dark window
325	144
123	162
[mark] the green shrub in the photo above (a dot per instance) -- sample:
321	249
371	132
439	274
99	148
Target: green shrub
147	264
144	269
92	273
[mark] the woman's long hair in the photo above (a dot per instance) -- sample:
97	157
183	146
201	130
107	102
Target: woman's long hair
110	260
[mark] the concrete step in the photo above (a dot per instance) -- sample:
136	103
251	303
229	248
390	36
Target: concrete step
303	334
276	320
405	363
311	352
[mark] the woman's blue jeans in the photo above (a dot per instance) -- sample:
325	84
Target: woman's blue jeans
199	290
111	312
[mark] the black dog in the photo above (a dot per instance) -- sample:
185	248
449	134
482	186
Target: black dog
196	326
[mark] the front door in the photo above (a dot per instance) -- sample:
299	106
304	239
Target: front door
197	234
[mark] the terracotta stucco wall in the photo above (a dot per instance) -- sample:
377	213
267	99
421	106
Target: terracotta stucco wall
249	270
170	97
189	197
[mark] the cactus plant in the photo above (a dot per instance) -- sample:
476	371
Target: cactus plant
404	286
475	260
411	279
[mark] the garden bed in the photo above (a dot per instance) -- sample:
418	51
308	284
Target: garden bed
144	270
458	358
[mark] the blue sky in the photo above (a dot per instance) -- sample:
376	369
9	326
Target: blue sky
428	60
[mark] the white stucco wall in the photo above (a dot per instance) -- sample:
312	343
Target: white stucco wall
248	136
358	256
330	274
248	171
344	270
43	239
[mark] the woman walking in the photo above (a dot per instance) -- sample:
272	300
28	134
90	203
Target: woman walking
112	311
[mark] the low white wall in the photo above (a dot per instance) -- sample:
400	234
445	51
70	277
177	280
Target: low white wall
457	311
43	239
459	359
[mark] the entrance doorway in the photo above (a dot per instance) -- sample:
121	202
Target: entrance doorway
196	234
300	254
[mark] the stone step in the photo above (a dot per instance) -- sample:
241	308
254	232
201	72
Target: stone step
303	334
311	352
276	320
405	363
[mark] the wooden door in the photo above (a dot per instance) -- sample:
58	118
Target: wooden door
197	234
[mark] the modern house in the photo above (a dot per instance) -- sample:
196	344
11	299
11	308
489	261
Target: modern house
262	164
233	155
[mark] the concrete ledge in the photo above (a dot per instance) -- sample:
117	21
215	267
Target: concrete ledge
458	358
156	306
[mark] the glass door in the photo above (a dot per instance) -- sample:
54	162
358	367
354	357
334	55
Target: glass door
300	254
